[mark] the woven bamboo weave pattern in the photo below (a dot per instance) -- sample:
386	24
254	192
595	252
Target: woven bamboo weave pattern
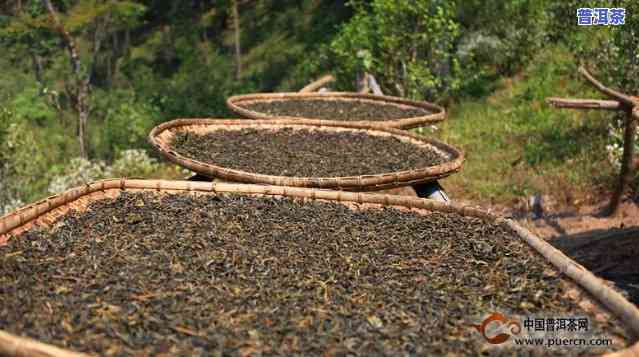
435	112
47	211
161	136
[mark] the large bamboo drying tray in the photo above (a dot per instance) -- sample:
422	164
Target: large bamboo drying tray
46	212
161	136
437	113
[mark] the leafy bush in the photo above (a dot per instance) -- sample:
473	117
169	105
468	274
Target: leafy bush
616	63
29	104
435	49
615	148
508	33
21	163
134	163
79	171
406	44
198	88
126	123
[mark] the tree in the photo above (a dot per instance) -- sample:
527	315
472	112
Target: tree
408	45
82	80
237	33
615	58
98	18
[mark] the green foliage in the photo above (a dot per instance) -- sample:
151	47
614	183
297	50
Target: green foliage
184	94
79	171
22	164
516	145
126	122
611	53
499	38
134	163
505	35
30	104
407	45
121	14
160	60
616	58
76	172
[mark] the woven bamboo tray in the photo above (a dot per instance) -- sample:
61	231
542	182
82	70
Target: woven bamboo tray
160	137
437	113
601	299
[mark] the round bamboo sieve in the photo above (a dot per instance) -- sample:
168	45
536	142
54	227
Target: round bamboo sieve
435	112
47	211
161	137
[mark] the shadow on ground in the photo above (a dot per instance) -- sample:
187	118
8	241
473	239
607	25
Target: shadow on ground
612	254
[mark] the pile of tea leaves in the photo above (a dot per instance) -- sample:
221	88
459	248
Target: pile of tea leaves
347	110
153	273
304	152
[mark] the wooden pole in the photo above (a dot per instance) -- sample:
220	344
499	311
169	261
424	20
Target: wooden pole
11	345
584	103
625	99
621	101
317	84
627	164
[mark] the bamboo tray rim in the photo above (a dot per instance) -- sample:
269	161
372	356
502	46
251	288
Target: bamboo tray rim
435	113
586	280
360	183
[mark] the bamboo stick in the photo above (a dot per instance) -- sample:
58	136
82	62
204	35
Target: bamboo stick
584	103
15	346
623	98
621	101
315	85
612	300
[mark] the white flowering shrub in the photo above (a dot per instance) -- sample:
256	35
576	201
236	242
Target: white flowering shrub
79	171
134	163
11	205
129	163
615	146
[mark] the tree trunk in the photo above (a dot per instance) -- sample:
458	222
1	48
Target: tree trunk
81	79
38	71
627	165
83	116
238	49
127	40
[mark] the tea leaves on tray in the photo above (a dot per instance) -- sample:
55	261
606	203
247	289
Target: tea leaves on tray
347	110
235	275
304	153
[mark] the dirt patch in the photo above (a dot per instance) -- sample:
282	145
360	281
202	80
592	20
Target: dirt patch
608	246
347	110
235	275
304	153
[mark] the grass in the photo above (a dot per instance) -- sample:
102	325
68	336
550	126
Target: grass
516	145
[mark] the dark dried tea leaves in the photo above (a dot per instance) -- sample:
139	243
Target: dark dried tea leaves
305	153
178	274
335	109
